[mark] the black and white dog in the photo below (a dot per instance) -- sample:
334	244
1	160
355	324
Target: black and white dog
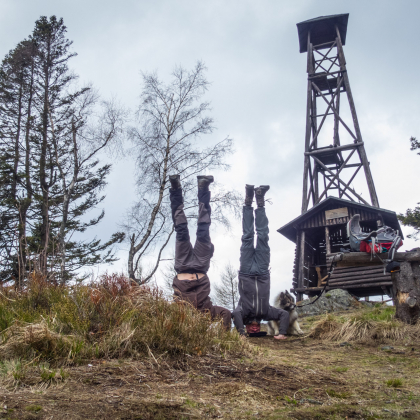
287	302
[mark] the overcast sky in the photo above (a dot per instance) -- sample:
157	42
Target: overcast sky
258	90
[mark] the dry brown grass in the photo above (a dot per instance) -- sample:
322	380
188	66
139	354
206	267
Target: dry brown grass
109	319
368	326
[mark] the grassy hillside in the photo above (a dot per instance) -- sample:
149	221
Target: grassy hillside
107	351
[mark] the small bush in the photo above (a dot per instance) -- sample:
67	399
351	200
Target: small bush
394	383
106	319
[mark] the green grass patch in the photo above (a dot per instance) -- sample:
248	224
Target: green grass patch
289	400
190	403
12	371
384	313
34	408
394	383
340	369
337	394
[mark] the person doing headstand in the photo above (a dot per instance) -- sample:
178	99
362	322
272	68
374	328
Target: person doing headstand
192	262
254	274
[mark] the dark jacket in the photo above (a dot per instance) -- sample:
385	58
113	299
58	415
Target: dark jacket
194	291
254	301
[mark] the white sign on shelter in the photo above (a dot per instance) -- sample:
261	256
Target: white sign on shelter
336	213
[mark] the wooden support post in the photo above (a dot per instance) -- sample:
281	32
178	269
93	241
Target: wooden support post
327	240
406	285
306	165
314	130
361	150
301	263
336	120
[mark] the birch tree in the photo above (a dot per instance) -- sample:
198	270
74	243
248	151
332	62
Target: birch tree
168	139
226	292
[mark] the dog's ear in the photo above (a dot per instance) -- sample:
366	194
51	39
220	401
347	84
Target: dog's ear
281	295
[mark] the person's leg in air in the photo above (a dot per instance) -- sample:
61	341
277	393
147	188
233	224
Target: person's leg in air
262	260
203	248
262	249
248	233
183	247
246	262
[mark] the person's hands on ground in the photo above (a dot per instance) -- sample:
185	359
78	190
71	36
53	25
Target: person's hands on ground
280	337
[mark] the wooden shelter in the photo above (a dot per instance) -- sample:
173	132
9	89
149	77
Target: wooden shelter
329	198
321	231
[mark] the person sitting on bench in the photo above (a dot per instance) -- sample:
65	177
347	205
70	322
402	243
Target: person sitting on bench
254	275
192	284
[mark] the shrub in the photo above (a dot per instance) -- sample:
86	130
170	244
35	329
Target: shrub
110	318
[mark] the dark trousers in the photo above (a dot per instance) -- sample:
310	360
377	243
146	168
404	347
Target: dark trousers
223	313
187	257
197	293
281	316
273	314
254	260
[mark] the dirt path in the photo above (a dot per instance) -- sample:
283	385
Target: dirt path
298	379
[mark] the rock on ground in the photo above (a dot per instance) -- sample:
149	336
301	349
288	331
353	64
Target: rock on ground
331	301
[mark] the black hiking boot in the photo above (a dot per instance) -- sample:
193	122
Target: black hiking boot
175	181
204	181
249	195
259	194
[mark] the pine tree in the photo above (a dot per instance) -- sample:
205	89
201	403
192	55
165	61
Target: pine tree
51	133
16	98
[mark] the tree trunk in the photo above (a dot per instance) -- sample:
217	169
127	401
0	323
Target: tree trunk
131	254
26	202
136	248
406	284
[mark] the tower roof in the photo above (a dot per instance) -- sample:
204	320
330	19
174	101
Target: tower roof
322	30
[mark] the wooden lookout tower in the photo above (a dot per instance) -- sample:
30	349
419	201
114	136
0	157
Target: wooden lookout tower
334	155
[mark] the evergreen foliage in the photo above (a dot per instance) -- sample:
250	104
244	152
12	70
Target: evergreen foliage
51	132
